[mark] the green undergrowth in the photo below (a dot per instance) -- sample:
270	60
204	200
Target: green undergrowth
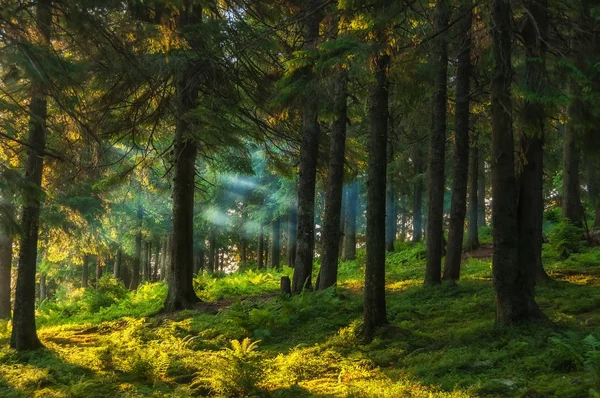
441	341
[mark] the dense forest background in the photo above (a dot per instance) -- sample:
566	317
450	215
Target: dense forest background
299	197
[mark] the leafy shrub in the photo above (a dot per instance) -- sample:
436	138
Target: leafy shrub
565	239
585	352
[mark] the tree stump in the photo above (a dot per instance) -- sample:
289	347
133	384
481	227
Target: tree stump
285	285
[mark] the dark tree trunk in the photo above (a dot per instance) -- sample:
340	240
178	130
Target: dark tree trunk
156	261
243	252
292	231
594	188
571	200
275	244
163	260
531	195
98	269
417	233
181	293
335	186
402	218
126	273
512	281
391	216
6	254
43	287
481	184
349	251
261	243
458	207
437	149
212	244
374	299
472	231
118	264
309	152
24	336
137	256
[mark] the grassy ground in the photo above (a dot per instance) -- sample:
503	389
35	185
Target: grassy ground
248	341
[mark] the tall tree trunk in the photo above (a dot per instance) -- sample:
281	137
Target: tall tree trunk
259	253
156	261
24	336
85	271
98	269
137	256
163	260
181	293
472	230
513	282
417	233
43	287
309	152
374	298
292	235
6	254
531	195
458	207
571	200
212	244
481	185
391	222
437	149
335	185
349	252
118	264
275	244
594	188
402	218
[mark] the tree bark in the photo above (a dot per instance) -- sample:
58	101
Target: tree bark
391	215
512	281
85	271
458	206
24	335
181	293
43	287
472	230
212	244
594	188
118	264
275	244
571	200
6	254
374	298
335	185
292	235
531	195
137	257
98	269
481	184
349	251
417	233
261	243
437	148
163	260
309	153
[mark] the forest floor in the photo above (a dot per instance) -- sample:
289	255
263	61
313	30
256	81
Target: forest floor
441	342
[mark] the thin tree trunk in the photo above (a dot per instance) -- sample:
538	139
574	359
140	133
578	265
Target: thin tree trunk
163	260
24	336
571	200
118	264
85	271
137	257
98	269
6	254
594	187
437	149
275	244
43	287
335	185
481	185
292	232
212	243
261	243
349	252
391	219
472	231
512	281
374	297
417	233
458	207
309	152
531	195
